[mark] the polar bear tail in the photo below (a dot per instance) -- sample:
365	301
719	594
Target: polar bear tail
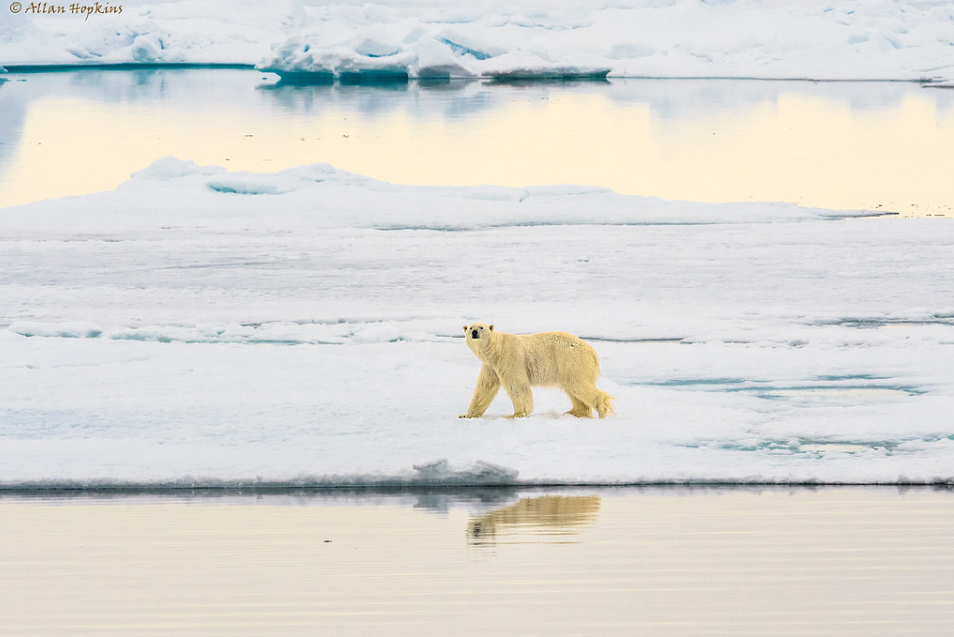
604	404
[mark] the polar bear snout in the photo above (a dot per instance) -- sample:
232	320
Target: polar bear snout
474	334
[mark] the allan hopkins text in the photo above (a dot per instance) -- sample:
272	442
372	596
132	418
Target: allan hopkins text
75	8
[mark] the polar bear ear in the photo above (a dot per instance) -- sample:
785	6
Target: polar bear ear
491	328
465	328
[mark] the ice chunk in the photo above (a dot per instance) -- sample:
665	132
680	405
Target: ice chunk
56	330
169	168
481	472
379	46
465	44
295	59
247	185
553	73
437	59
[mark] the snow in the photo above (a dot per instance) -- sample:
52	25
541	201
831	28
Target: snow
320	41
198	326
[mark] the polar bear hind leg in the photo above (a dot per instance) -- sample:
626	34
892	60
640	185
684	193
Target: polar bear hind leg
585	397
580	408
604	404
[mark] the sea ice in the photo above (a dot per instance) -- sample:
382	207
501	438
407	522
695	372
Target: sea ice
318	41
303	328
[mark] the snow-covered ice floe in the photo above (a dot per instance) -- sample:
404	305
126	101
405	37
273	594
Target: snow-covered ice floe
302	41
199	327
688	38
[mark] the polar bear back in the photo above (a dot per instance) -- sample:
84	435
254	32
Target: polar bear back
555	358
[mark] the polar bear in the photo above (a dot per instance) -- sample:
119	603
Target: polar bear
519	362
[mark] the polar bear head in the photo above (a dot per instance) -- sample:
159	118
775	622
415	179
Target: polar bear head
477	334
477	330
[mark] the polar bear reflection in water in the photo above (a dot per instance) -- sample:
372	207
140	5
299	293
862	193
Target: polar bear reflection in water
548	359
548	515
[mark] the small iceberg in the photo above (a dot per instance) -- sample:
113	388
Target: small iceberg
481	472
307	59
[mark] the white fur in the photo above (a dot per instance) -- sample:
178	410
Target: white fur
548	359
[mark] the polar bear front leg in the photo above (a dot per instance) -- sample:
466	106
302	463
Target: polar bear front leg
522	398
488	384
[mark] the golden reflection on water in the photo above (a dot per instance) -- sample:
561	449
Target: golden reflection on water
548	515
798	147
845	561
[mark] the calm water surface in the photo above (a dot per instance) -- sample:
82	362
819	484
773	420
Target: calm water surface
877	146
680	561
